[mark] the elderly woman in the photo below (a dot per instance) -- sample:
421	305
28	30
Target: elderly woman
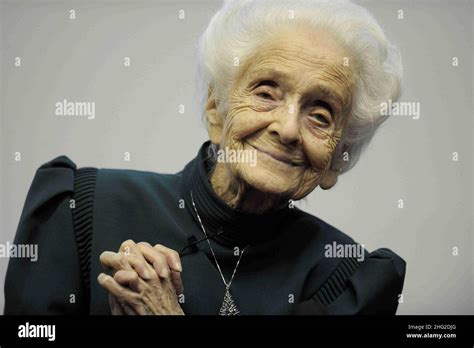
291	95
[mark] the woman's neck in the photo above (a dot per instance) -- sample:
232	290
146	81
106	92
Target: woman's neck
238	195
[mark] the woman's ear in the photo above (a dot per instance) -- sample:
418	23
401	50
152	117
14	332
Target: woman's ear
329	179
214	121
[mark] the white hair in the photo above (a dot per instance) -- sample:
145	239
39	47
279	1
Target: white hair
241	26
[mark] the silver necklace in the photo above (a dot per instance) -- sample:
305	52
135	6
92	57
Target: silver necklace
228	305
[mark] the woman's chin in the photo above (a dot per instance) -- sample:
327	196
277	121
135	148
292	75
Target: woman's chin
270	182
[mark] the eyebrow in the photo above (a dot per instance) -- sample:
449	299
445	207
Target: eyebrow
327	93
321	89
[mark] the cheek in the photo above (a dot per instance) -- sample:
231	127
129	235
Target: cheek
320	149
242	120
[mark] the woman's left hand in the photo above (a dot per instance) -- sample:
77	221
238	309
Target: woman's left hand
143	282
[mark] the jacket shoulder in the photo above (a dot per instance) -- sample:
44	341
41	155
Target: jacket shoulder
52	179
320	229
137	187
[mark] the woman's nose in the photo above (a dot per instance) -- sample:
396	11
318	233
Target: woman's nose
286	126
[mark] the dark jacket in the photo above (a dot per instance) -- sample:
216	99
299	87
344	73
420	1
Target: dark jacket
284	271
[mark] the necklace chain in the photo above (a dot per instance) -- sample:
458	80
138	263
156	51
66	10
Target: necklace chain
227	285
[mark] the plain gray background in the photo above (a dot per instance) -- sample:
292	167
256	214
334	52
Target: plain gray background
137	112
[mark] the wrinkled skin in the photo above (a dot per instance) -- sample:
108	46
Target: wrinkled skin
290	103
146	280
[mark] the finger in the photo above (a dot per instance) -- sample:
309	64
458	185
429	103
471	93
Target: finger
115	289
128	310
170	293
130	279
115	307
156	258
133	253
114	261
119	261
129	247
177	282
140	265
141	310
172	256
123	295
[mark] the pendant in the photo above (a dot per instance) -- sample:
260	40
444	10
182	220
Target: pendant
228	306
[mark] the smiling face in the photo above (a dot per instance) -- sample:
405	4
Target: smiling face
290	103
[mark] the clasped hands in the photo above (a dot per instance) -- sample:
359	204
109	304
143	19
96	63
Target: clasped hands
146	279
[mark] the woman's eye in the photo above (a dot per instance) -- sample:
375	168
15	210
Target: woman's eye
265	89
321	119
265	95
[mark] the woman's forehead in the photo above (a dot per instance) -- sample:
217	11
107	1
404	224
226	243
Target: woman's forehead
298	62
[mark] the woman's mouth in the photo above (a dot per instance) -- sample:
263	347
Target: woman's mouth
278	157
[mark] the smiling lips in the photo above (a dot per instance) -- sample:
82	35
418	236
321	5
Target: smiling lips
280	158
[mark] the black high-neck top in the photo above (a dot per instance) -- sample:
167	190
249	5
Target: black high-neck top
238	228
284	269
